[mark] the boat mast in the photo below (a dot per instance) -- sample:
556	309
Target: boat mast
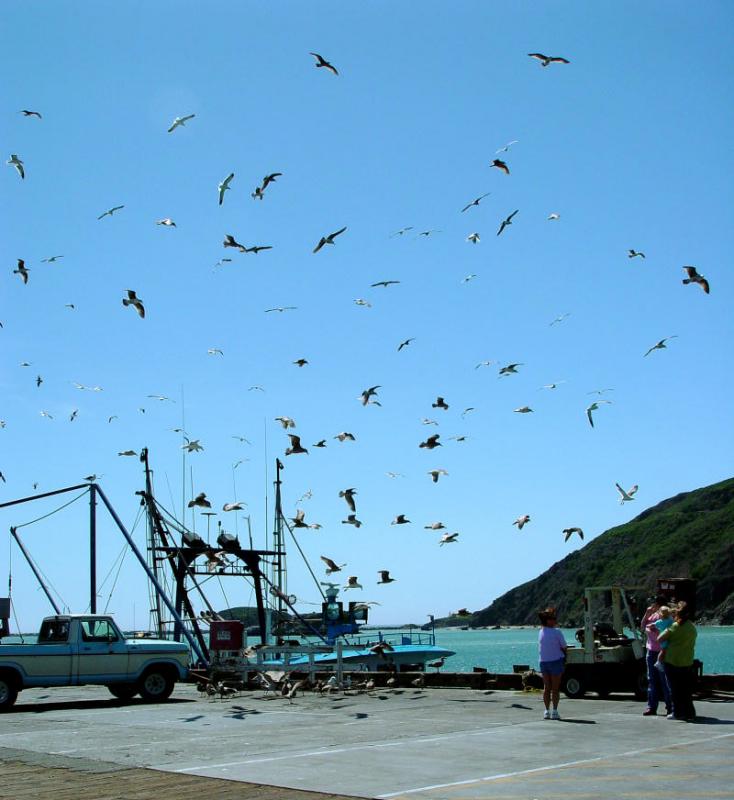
156	610
280	580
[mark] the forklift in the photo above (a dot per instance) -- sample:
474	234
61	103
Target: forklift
606	659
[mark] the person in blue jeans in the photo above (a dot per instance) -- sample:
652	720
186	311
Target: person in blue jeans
658	687
552	656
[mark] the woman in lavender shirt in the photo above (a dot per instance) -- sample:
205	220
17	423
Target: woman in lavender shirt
552	655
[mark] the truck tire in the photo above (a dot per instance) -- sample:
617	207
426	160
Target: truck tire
156	685
641	685
123	691
8	692
574	686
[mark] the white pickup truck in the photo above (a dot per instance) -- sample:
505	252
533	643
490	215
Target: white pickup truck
78	649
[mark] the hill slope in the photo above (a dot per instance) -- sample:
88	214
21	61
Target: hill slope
690	535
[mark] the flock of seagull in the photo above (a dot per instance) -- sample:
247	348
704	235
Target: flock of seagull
369	396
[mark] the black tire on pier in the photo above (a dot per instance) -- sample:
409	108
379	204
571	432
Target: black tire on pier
156	685
123	691
573	686
8	692
641	685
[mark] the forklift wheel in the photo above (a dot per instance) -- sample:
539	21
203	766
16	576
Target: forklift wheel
574	687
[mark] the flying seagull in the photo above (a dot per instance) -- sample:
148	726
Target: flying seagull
256	248
167	221
501	165
110	212
353	583
224	186
448	538
26	113
230	241
200	501
506	147
440	403
431	442
475	202
295	447
400	519
625	497
385	576
510	369
523	410
661	344
193	446
553	216
127	453
50	259
133	300
322	62
348	495
546	60
344	435
594	407
180	121
328	239
560	318
402	231
286	422
300	362
473	238
634	254
383	283
214	351
507	221
331	565
22	270
405	343
570	532
14	161
520	521
694	277
368	393
281	309
352	520
436	473
239	505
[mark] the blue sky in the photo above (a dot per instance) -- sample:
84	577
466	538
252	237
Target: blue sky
628	144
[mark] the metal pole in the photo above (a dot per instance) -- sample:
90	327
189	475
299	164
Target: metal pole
189	638
14	532
92	550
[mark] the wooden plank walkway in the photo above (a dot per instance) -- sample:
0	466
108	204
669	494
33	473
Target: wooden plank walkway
32	776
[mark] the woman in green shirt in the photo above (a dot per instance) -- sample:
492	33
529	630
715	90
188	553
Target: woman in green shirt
681	639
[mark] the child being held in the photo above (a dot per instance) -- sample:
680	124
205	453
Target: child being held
665	621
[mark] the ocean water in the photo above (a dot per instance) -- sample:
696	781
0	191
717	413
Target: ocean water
498	650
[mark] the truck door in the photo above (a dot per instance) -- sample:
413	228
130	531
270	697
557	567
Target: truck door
53	655
102	654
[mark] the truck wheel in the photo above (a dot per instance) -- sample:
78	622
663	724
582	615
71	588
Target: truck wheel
123	691
156	685
641	686
574	687
8	693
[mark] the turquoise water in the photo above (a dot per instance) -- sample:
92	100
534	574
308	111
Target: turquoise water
498	650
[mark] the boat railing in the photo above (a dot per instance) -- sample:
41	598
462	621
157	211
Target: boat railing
393	637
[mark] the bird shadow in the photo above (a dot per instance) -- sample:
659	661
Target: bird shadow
580	721
240	713
359	715
192	719
39	708
519	705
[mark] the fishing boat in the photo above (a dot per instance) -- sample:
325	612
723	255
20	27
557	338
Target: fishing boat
286	636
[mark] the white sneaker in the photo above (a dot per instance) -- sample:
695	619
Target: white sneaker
546	714
554	714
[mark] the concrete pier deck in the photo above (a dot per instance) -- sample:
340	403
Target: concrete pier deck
449	744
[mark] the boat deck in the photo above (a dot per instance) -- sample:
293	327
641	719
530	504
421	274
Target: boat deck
397	743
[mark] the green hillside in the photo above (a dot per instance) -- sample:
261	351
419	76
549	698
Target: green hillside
690	535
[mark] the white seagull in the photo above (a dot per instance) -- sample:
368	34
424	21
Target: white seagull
625	497
14	161
180	121
224	186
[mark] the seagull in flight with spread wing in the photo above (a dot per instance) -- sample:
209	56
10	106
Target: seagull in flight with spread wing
625	497
26	113
322	62
507	221
661	344
383	283
405	343
506	147
133	300
22	270
594	407
501	165
180	121
328	239
694	277
570	532
546	60
14	161
475	202
224	186
110	212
